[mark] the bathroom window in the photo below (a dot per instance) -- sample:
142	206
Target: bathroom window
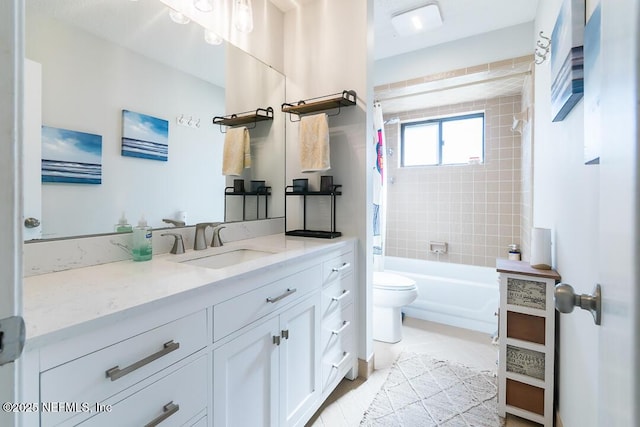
443	141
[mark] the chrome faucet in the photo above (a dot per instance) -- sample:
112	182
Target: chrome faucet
217	240
200	241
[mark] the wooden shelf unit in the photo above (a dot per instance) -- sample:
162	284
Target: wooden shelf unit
313	105
527	331
245	118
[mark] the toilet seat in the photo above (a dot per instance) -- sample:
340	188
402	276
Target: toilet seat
392	282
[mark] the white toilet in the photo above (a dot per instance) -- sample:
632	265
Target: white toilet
390	293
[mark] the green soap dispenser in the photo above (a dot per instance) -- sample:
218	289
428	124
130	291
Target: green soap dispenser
123	225
142	247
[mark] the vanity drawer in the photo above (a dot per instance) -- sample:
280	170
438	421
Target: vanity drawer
91	378
337	267
181	397
231	315
337	296
335	329
338	349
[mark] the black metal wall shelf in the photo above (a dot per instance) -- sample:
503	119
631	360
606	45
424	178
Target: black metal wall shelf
261	191
304	232
245	118
329	102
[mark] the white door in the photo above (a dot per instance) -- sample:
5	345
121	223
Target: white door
32	151
11	59
619	378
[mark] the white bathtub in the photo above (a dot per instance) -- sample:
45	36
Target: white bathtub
460	295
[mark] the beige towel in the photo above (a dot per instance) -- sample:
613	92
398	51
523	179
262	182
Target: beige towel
237	151
314	143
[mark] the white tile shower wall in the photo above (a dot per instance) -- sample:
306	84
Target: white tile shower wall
474	208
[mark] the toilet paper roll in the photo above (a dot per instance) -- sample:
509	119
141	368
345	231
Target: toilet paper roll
540	248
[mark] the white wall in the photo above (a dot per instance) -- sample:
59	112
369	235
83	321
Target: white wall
327	50
565	199
87	82
511	42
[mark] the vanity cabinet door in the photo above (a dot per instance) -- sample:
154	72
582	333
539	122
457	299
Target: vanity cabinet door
245	373
270	375
300	384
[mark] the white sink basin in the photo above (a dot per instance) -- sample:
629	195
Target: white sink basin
227	259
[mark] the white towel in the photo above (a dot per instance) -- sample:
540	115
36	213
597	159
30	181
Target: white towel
314	143
236	155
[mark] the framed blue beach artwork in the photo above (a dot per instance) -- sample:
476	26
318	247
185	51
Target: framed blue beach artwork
145	137
72	157
593	79
567	59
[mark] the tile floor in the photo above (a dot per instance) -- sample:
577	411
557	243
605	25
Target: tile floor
347	404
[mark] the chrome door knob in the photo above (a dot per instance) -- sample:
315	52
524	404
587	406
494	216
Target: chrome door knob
566	299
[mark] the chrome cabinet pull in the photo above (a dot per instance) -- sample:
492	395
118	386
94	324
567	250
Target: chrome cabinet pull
345	356
285	334
167	410
284	295
344	326
344	266
115	372
344	294
276	339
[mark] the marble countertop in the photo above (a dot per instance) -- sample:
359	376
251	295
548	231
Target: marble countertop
58	301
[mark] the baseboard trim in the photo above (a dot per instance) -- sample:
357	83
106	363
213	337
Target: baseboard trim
365	367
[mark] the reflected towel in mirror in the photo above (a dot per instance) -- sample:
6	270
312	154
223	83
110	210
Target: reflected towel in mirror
314	143
237	151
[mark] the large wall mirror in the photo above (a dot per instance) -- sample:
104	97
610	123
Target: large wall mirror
96	58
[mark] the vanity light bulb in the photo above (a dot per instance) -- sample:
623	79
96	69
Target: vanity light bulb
243	15
203	5
178	17
212	38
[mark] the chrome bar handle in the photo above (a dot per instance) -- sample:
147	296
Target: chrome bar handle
344	266
345	356
344	294
284	295
344	326
167	410
115	372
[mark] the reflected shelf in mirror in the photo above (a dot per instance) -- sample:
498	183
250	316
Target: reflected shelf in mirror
165	71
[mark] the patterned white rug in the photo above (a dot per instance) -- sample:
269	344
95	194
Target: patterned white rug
421	391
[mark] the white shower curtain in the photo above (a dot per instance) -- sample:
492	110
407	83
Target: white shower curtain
379	189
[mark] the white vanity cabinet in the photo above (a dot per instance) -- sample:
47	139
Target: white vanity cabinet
261	346
269	375
100	380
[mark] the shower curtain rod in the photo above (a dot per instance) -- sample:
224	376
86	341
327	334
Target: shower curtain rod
425	92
